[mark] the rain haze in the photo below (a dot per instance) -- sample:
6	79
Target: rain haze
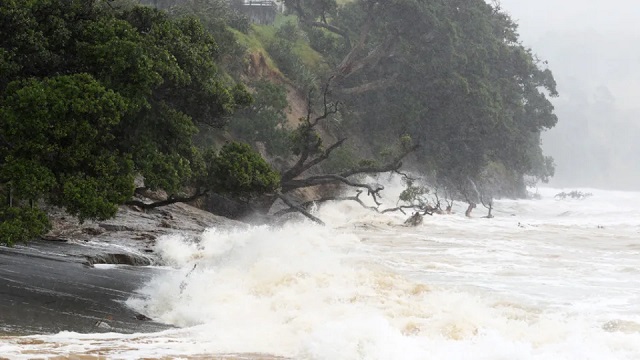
592	49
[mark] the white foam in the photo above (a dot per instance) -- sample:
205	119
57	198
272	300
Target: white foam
538	285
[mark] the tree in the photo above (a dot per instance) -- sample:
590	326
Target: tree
59	145
92	94
308	146
235	170
452	73
19	224
240	171
217	17
265	120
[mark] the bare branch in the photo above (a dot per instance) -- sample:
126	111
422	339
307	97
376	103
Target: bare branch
345	66
488	204
438	204
334	29
329	108
351	64
304	18
301	167
399	208
356	198
393	165
299	209
404	175
332	179
309	107
307	204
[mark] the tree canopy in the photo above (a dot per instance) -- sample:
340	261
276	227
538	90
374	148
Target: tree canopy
93	94
96	93
453	74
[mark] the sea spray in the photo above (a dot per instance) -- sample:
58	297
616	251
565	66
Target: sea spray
531	283
315	292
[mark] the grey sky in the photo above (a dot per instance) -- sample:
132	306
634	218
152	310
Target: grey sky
611	16
593	48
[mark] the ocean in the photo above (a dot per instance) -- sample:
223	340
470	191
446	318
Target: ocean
545	279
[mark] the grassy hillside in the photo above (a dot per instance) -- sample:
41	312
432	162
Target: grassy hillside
264	39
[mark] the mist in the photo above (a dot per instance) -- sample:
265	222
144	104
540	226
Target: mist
591	47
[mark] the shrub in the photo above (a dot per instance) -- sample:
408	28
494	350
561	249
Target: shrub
19	224
240	171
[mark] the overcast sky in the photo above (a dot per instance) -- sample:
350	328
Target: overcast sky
593	49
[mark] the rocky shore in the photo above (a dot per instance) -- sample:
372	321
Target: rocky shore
66	280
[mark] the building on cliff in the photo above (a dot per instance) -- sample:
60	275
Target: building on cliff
258	11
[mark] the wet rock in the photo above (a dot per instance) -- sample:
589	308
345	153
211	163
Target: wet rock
165	224
144	236
132	230
48	291
136	208
94	231
226	206
142	317
102	324
415	220
165	214
120	259
52	284
54	238
156	195
115	227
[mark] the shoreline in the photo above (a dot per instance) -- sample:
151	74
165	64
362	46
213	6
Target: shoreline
51	285
47	292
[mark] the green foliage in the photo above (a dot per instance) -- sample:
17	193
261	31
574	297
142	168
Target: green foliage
94	93
413	194
19	224
368	163
265	120
282	49
60	144
453	74
305	138
240	171
27	179
406	142
341	159
217	16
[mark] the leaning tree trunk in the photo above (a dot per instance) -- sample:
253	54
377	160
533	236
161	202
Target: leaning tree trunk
311	155
469	209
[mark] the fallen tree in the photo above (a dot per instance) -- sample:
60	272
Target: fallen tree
240	172
310	152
